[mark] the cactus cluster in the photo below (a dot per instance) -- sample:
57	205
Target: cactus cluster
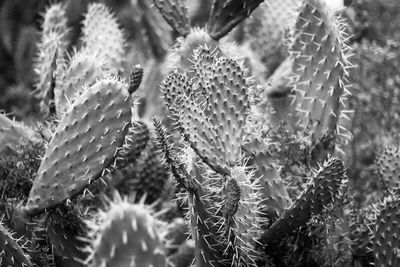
244	165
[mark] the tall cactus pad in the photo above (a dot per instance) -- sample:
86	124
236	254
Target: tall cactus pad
102	35
323	189
51	52
13	135
388	163
320	63
11	254
226	14
85	143
386	243
175	13
128	236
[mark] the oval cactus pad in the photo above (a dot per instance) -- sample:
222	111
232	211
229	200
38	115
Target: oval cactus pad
84	144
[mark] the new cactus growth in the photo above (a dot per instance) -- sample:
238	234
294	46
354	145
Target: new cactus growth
128	235
84	145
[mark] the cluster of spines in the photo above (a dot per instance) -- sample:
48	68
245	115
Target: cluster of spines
320	65
128	235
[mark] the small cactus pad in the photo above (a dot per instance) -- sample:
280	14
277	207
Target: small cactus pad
388	163
226	14
324	188
102	35
128	236
175	13
386	243
11	254
85	143
13	135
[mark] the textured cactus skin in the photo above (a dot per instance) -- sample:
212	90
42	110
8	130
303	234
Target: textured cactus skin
274	191
175	13
11	254
386	243
85	143
320	64
102	36
62	231
14	134
388	164
226	14
201	129
83	69
128	236
52	49
323	189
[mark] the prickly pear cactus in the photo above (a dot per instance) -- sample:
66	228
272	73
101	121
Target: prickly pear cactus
226	14
323	189
51	52
175	13
12	254
102	36
128	235
84	144
320	66
386	243
388	163
14	135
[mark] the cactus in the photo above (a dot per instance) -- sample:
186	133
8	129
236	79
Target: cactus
99	117
323	189
15	135
102	36
226	14
320	67
385	241
12	254
52	50
265	31
128	235
388	162
175	13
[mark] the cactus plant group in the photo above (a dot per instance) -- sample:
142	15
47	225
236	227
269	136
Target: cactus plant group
245	164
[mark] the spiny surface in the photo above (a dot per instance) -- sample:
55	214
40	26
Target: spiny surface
85	143
102	35
388	163
386	243
128	236
320	64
